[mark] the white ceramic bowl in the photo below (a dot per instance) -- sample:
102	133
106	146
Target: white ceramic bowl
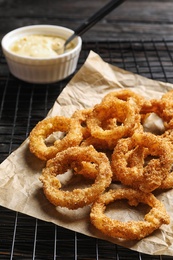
41	70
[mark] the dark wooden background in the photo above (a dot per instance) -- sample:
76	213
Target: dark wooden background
134	19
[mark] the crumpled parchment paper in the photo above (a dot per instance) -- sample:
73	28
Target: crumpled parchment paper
21	190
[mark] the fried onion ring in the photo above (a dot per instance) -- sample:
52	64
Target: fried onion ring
125	94
123	113
61	163
142	161
130	230
115	140
69	126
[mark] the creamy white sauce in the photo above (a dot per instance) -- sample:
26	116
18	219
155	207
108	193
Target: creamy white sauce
40	46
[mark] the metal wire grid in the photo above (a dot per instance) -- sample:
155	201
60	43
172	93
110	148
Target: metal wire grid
22	106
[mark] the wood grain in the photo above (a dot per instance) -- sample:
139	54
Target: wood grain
134	19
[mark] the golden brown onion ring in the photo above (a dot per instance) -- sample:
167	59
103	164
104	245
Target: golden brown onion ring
88	139
61	163
70	127
125	94
130	230
127	120
130	166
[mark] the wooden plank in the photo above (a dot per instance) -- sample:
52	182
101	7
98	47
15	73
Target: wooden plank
101	32
131	10
133	20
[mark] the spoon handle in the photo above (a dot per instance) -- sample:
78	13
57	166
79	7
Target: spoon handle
94	19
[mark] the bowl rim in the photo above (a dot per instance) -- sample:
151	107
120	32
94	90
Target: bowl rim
39	26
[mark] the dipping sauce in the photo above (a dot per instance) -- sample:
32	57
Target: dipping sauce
40	46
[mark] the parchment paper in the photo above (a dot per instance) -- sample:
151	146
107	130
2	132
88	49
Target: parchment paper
20	188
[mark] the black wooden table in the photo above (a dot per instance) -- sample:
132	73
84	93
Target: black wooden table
136	37
134	19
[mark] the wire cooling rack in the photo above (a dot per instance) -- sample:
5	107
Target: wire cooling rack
22	106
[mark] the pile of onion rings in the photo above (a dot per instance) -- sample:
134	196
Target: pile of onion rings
115	141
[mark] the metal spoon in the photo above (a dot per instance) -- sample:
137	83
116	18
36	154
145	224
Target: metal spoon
91	21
